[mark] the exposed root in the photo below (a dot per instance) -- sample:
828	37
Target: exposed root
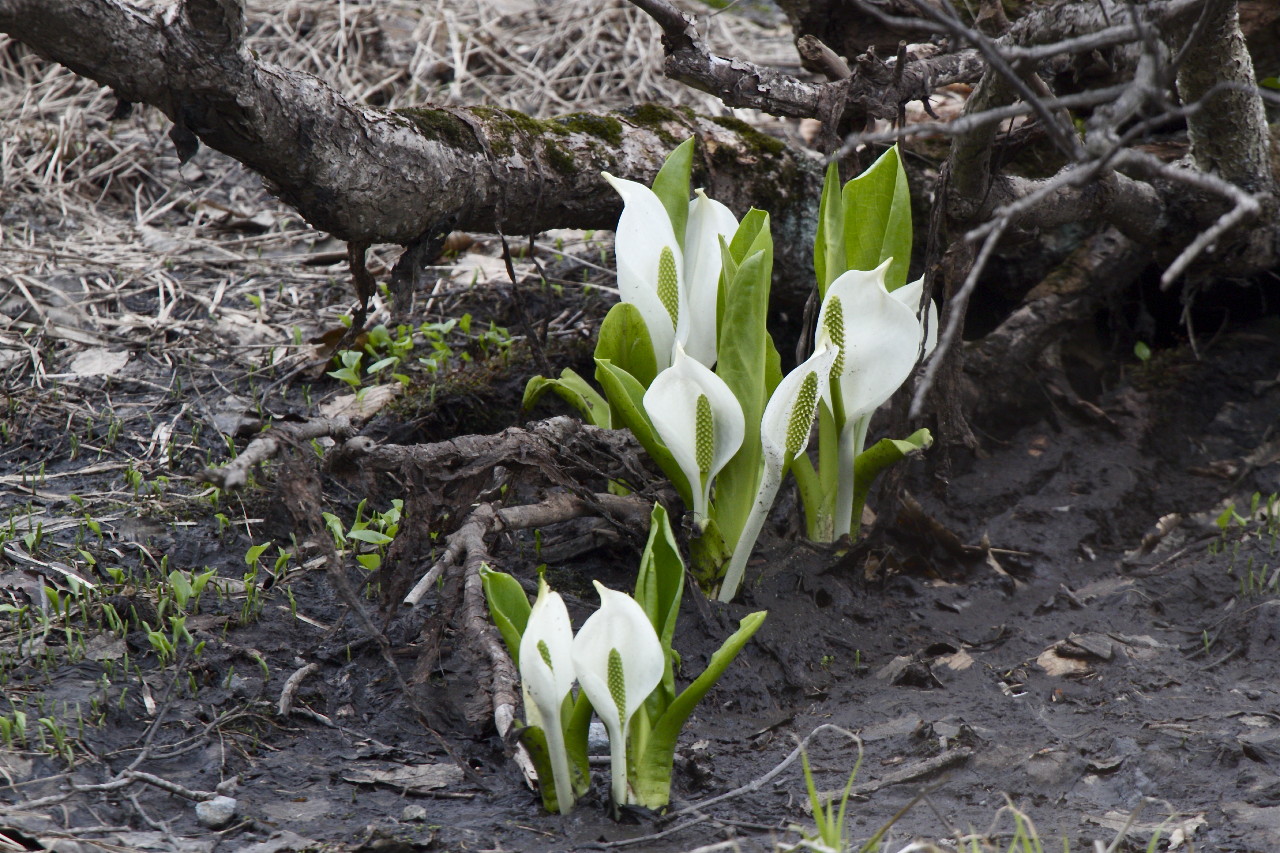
235	473
485	520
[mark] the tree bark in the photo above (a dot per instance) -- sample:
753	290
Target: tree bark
402	176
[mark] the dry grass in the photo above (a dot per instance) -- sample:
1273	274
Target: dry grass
105	241
139	299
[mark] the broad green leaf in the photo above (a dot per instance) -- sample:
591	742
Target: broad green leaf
626	397
828	246
728	269
575	391
535	743
660	581
877	458
877	219
709	554
659	587
743	366
653	770
624	340
372	537
577	725
752	236
508	607
671	186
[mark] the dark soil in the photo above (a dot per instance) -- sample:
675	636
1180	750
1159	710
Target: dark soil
1062	625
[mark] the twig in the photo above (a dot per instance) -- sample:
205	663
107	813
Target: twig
235	473
955	318
760	781
291	685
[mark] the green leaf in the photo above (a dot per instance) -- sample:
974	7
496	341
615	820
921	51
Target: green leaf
877	458
372	537
577	726
535	743
671	186
828	246
709	554
659	588
509	608
653	770
626	396
877	219
575	391
743	365
752	236
624	340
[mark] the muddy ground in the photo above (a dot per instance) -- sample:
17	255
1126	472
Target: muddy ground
1069	624
1061	623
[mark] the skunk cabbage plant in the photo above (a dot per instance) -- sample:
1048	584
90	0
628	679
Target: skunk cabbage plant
619	662
547	676
700	421
784	435
625	665
685	361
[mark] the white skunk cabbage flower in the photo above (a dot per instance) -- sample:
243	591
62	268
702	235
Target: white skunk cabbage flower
699	419
709	220
547	675
879	338
675	290
784	435
619	661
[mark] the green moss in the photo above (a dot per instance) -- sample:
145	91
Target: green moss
656	118
754	138
603	127
443	126
562	161
500	129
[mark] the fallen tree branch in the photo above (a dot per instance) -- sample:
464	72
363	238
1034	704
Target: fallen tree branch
871	88
369	175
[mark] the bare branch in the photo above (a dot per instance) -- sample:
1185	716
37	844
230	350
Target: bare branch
369	175
874	87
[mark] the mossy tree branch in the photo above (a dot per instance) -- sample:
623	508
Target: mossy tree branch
370	175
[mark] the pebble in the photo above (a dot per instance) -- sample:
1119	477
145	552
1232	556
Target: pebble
597	739
216	813
413	813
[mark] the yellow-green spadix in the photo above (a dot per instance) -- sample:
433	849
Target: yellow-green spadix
879	339
547	676
674	289
619	661
699	419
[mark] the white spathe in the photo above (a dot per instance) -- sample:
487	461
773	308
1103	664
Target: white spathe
643	231
788	416
547	675
879	338
672	405
784	435
619	661
709	220
909	295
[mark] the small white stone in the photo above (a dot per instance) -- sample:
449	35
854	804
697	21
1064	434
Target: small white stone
217	813
597	739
